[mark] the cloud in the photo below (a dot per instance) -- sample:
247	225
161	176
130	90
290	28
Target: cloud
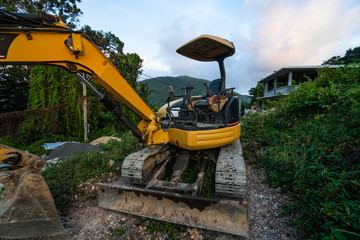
268	34
302	32
288	33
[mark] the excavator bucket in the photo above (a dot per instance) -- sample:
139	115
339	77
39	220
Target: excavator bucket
178	202
27	208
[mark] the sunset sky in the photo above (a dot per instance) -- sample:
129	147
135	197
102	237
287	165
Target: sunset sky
267	34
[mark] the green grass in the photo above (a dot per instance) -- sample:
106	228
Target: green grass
310	148
208	188
63	177
171	229
191	173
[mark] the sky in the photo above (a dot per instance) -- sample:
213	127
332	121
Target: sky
267	34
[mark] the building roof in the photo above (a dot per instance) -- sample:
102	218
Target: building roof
286	70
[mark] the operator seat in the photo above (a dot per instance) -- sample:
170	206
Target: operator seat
216	86
211	100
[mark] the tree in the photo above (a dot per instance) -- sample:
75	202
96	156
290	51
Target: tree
129	65
67	10
47	82
144	91
351	56
256	92
13	89
51	86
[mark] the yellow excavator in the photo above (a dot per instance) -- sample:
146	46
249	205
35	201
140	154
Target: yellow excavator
189	132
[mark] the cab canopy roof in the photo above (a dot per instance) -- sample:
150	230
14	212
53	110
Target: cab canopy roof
207	48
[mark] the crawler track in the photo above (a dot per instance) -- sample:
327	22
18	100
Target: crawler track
138	166
230	176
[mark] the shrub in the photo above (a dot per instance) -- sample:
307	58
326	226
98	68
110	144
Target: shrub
310	148
63	177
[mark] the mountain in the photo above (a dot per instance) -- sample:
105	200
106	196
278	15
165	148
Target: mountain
160	85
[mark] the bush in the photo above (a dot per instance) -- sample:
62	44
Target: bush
310	148
63	177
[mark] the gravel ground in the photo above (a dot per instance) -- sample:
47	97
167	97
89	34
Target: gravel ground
87	221
265	204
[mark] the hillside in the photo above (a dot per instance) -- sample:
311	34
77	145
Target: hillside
160	86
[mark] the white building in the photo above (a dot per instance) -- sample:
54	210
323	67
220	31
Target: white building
287	79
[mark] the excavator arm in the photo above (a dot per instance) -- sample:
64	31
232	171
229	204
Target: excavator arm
50	42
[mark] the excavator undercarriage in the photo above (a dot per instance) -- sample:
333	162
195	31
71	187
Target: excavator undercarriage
163	195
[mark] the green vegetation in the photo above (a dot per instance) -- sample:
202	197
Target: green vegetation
14	81
117	232
56	94
67	10
190	174
171	229
63	177
208	188
13	89
256	92
51	86
310	148
160	86
352	55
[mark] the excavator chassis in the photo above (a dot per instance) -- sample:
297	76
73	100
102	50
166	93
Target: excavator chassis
27	208
166	201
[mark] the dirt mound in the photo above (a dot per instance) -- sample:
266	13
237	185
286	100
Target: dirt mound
105	139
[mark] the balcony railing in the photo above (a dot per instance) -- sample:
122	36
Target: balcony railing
281	90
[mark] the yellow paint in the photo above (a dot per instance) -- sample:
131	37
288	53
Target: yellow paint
6	153
49	48
204	139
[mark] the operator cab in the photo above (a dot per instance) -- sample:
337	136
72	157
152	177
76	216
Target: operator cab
219	107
